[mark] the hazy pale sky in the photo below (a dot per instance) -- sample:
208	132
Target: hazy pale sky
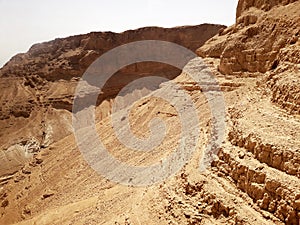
26	22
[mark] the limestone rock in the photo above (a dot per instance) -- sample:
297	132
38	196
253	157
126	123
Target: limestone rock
254	43
37	88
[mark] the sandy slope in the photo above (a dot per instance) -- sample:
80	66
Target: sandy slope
254	180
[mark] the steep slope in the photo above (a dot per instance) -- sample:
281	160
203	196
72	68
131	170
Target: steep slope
254	180
262	156
263	42
189	197
37	87
260	4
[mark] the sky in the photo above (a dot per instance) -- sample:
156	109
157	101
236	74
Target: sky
26	22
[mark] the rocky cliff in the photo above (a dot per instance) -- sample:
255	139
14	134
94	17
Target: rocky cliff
265	39
255	178
37	87
264	5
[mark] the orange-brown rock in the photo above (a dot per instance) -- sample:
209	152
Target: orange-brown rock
264	5
37	87
254	43
253	179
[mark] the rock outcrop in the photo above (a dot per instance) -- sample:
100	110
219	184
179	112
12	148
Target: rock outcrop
261	42
264	5
37	88
254	43
253	179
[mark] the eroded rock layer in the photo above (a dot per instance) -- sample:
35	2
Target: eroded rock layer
37	87
255	177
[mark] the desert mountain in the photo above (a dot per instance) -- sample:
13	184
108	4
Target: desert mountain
38	86
255	178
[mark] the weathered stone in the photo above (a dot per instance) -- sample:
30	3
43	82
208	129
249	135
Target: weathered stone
272	185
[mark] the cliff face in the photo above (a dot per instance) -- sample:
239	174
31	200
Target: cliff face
254	43
255	177
67	58
264	5
37	87
265	39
